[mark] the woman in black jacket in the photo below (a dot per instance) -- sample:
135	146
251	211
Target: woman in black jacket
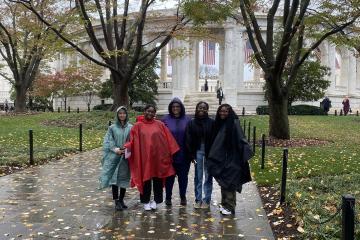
228	157
198	142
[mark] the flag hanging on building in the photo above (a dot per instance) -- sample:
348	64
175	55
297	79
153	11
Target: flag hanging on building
337	63
208	52
248	52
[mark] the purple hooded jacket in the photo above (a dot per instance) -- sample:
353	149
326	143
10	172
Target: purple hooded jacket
177	127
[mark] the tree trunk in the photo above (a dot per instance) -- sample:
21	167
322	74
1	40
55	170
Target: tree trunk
278	119
120	91
20	103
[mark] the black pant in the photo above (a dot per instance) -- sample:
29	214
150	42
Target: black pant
157	184
182	171
228	199
115	192
220	100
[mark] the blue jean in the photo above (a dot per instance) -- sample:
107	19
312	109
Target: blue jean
200	173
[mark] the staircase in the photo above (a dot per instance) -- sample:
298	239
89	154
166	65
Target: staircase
191	99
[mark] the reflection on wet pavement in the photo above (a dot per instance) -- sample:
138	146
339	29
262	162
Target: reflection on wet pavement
60	200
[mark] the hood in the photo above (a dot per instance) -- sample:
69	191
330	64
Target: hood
117	121
176	100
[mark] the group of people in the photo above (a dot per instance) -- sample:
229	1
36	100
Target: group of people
149	154
326	105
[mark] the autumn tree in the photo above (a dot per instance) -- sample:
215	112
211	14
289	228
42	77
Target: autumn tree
298	22
116	33
24	43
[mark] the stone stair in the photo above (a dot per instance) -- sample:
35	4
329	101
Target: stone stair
191	99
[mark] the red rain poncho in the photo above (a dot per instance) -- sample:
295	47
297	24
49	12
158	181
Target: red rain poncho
152	146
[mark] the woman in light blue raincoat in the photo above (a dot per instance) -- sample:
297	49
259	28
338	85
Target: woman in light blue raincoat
115	169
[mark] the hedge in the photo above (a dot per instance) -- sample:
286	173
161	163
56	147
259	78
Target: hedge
294	110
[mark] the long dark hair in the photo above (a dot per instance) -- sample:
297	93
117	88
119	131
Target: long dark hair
229	124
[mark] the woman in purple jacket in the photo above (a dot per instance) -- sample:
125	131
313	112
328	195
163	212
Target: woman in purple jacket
176	121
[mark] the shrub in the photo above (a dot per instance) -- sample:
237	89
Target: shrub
103	107
294	110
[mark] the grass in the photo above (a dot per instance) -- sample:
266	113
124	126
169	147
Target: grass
55	134
318	175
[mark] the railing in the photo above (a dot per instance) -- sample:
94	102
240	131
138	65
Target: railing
165	85
253	85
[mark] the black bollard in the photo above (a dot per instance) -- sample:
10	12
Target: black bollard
77	110
263	152
80	137
109	123
243	111
335	112
341	112
88	108
58	109
249	132
31	147
68	109
284	174
357	113
348	217
254	139
245	128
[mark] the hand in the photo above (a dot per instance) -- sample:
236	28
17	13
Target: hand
120	152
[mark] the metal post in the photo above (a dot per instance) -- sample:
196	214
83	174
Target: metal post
58	109
357	113
245	128
348	217
31	147
284	173
254	139
249	132
68	109
77	110
263	152
341	112
80	137
335	112
243	111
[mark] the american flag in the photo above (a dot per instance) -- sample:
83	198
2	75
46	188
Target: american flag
169	48
248	51
208	53
337	63
317	53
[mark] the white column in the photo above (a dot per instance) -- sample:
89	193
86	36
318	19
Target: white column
233	58
221	63
352	75
331	64
191	63
345	70
163	64
358	73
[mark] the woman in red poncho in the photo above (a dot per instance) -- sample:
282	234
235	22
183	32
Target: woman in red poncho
151	146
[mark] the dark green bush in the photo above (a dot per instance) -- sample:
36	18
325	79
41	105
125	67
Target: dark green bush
294	110
103	107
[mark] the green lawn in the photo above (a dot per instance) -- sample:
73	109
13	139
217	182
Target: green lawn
318	176
49	140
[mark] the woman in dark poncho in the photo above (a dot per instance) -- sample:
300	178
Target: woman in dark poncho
228	157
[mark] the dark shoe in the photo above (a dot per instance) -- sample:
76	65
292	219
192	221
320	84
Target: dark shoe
118	206
168	202
121	202
183	201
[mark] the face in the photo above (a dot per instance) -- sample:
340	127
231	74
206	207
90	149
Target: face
201	109
224	113
176	109
149	113
122	115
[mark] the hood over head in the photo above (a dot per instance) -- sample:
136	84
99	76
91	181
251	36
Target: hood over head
117	120
176	100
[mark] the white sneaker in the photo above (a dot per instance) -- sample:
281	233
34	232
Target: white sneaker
153	205
147	206
224	211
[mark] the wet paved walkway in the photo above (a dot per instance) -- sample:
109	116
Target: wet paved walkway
60	200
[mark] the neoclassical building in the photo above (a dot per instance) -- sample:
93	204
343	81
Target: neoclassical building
222	58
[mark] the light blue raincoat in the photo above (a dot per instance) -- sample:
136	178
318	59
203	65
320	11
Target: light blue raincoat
115	168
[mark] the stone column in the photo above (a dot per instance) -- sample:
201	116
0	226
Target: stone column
192	64
330	62
358	73
233	58
352	75
345	70
221	63
163	64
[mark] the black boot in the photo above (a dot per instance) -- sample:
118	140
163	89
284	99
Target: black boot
121	198
118	206
183	201
168	202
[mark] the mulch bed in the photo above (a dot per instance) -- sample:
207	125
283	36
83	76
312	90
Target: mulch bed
282	218
294	142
